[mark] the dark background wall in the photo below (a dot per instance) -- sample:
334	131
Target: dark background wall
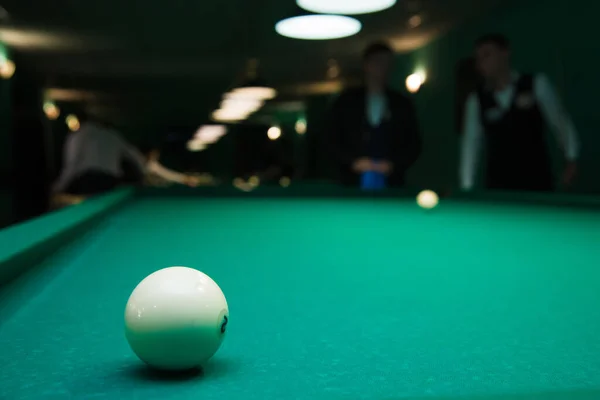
31	143
5	149
554	37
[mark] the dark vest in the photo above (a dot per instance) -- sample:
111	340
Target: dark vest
517	153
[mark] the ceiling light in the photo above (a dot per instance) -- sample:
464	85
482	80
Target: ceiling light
210	134
229	116
253	87
318	27
196	145
255	92
348	7
241	104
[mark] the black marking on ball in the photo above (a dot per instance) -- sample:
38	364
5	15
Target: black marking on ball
224	324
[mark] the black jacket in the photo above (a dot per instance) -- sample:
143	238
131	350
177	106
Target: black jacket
348	125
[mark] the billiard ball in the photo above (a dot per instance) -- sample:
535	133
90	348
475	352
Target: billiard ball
176	319
427	199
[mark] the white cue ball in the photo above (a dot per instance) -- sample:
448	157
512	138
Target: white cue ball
427	199
176	319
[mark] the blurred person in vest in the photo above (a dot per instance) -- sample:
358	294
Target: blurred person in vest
508	116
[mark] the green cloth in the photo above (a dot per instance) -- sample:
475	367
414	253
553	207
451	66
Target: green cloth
329	299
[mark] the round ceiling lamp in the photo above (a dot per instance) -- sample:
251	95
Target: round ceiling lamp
347	7
318	27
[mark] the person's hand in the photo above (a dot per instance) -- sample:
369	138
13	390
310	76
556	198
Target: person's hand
383	167
63	200
192	181
363	165
569	173
77	199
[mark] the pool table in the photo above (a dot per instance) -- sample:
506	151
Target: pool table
333	294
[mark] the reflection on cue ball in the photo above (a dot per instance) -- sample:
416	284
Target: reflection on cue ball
427	199
176	319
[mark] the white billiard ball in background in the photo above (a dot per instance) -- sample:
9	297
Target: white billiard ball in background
427	199
176	319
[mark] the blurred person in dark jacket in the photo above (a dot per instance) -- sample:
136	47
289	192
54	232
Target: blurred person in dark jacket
374	133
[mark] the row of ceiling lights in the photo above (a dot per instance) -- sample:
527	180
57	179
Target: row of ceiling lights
244	100
329	22
210	134
236	105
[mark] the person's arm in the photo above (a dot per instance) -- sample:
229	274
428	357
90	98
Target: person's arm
559	122
156	168
71	152
471	143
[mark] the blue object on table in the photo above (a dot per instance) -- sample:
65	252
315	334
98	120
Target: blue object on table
372	181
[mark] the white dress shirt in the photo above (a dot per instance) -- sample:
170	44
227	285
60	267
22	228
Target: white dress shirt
550	106
95	148
376	108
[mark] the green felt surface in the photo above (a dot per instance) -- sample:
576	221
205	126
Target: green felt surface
329	299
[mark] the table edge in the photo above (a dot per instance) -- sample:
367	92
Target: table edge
27	243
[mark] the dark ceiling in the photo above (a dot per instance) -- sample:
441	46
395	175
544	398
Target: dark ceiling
131	59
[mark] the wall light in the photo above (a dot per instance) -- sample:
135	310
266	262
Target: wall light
414	82
274	133
51	110
301	126
210	134
73	123
7	68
